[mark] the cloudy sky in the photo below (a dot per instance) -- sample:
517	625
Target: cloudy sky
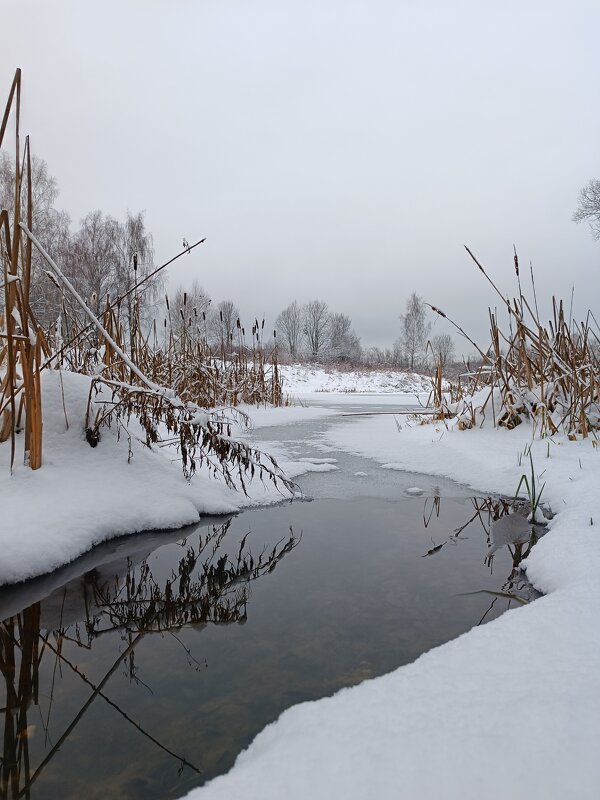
339	149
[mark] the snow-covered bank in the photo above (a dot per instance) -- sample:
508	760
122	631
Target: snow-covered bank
308	378
510	709
83	495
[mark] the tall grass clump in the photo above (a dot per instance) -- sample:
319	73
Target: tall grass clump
547	373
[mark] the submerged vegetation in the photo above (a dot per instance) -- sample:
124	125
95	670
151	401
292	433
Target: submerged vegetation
161	382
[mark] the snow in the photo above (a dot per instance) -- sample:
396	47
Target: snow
300	379
509	709
83	496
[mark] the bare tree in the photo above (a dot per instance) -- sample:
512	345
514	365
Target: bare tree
188	309
289	328
105	258
223	321
414	329
344	344
92	258
50	225
315	326
442	346
588	209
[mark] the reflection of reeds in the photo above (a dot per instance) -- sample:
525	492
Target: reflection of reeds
208	587
19	664
487	511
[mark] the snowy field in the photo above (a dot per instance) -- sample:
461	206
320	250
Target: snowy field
302	379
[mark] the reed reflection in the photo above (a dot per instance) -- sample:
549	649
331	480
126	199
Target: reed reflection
208	587
504	523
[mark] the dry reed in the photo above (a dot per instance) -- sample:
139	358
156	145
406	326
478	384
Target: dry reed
175	387
548	373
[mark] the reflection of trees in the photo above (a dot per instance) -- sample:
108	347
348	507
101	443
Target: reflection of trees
208	587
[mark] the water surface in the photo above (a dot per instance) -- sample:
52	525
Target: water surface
145	668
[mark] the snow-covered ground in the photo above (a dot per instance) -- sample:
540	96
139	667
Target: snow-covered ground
301	379
510	709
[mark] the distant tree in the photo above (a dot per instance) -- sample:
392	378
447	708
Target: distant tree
414	330
442	346
588	209
91	260
50	225
289	328
134	250
223	321
315	326
344	344
188	308
105	258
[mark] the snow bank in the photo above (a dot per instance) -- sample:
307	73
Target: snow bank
307	378
83	495
510	709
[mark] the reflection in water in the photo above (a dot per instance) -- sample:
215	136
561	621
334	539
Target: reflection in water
355	601
505	524
208	587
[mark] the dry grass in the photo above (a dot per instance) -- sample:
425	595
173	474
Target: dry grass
548	374
178	390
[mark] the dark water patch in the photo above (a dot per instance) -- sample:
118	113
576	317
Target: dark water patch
145	674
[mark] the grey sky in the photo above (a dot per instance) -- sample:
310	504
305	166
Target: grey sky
334	149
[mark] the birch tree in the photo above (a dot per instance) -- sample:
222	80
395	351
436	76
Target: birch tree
414	329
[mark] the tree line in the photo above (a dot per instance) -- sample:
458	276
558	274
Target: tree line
313	332
103	257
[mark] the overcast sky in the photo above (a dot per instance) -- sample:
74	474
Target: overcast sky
336	149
